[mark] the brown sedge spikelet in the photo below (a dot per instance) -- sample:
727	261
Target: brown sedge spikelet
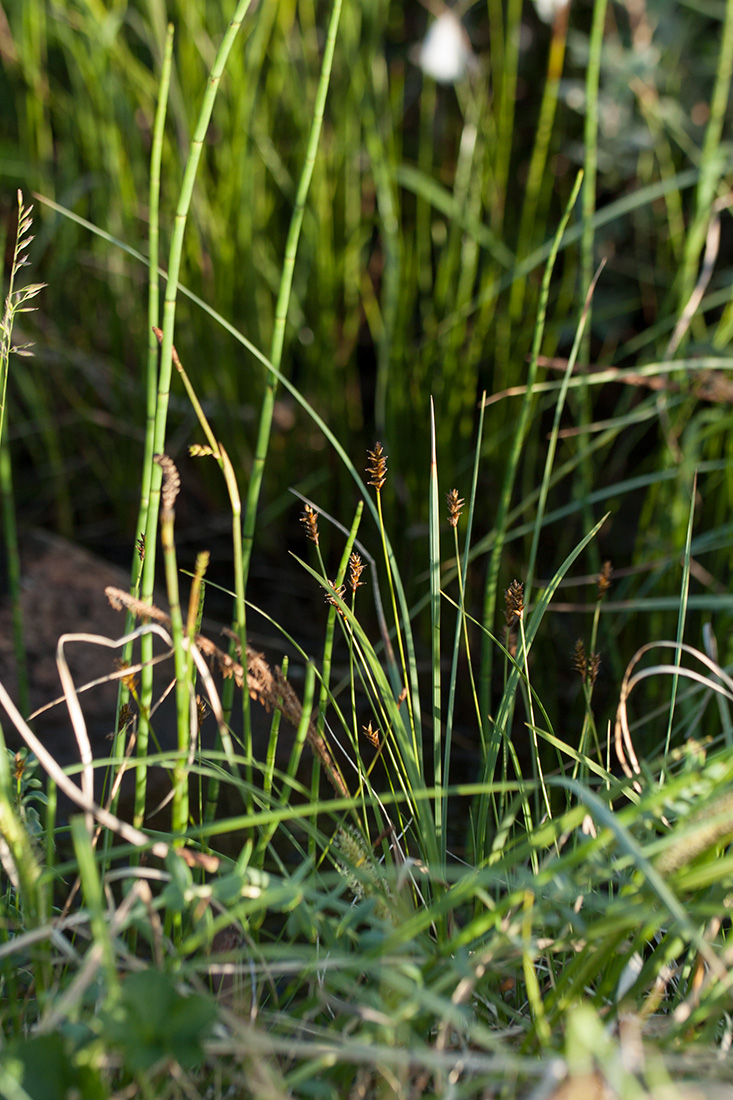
171	482
604	579
514	597
586	666
594	664
309	519
371	733
455	507
126	716
377	467
580	661
356	568
129	681
330	596
202	711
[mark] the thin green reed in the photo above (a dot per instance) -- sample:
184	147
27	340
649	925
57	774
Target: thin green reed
151	375
505	66
712	162
382	157
154	283
505	32
461	619
501	732
590	161
587	244
537	180
284	290
681	621
554	435
327	662
171	486
434	565
501	522
278	334
153	476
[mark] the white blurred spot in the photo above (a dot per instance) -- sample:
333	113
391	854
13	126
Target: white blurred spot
446	51
548	9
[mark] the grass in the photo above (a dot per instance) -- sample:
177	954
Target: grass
466	855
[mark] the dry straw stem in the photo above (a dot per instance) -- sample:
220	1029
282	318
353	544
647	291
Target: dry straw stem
270	690
718	681
108	820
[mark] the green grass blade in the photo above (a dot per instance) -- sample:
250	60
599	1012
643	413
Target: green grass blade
434	559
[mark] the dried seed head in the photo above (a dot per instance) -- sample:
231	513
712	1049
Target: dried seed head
371	733
604	579
129	681
309	519
455	507
199	450
514	597
594	663
340	592
580	661
171	482
586	667
202	710
356	568
377	467
126	716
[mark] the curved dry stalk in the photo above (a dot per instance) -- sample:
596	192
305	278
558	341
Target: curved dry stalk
622	734
270	689
79	797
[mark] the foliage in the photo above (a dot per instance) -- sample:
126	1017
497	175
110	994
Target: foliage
484	861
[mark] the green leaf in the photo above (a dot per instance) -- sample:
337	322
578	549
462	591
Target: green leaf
47	1068
152	1021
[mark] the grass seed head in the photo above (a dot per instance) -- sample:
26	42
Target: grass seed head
604	579
309	519
371	733
377	467
171	482
331	596
356	568
580	661
514	597
455	507
586	666
594	663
